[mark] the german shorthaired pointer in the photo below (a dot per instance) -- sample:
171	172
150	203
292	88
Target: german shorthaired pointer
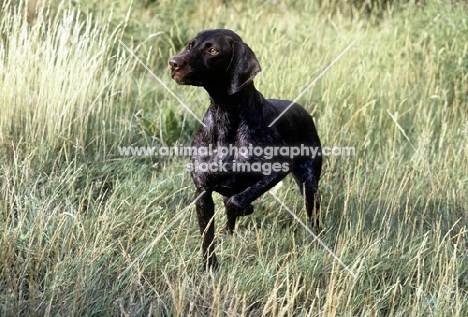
244	161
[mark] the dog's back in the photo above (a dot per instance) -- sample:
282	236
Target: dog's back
295	125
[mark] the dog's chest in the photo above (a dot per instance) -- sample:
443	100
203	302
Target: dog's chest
229	146
228	160
229	151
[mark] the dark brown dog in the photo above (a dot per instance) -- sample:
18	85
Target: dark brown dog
239	116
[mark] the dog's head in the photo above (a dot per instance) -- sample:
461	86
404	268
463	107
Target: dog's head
215	58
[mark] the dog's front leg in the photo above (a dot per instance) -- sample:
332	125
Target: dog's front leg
205	215
239	203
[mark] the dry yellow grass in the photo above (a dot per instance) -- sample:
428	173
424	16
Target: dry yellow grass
74	215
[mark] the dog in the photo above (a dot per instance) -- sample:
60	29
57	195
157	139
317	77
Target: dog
239	117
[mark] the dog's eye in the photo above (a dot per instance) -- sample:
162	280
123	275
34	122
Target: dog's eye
213	51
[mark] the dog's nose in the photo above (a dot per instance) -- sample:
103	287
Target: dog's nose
176	63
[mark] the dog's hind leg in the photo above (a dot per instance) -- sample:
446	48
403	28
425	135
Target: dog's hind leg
307	179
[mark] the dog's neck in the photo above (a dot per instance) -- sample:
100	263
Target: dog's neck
229	116
244	106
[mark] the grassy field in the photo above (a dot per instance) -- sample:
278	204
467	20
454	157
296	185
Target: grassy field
85	231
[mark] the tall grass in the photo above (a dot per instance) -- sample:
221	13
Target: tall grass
51	70
78	222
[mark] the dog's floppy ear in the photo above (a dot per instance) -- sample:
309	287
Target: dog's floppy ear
242	68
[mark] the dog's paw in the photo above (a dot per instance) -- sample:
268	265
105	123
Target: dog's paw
234	207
